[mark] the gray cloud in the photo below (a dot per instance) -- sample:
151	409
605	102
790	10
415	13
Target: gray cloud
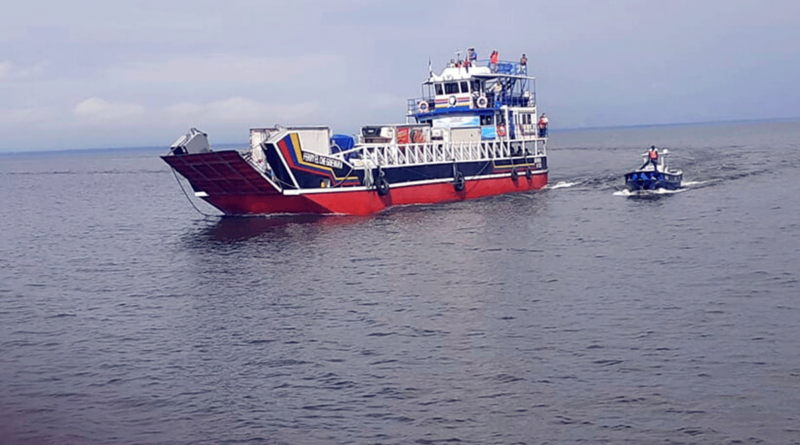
85	69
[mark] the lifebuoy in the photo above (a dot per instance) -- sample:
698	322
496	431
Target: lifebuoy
482	102
514	174
423	106
501	130
459	182
452	101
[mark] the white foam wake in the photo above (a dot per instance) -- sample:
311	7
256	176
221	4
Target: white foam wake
627	192
562	185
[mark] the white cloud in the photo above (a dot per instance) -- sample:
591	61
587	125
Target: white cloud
239	110
233	69
26	116
9	71
97	110
5	68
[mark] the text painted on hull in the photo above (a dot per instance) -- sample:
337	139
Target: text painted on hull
314	158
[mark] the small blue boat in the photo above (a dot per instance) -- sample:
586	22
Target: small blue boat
654	176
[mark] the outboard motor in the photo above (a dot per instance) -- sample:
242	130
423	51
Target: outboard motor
195	141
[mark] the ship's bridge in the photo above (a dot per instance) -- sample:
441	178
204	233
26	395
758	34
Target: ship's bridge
484	87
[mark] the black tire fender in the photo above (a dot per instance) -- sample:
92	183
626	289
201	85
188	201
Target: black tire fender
459	182
382	186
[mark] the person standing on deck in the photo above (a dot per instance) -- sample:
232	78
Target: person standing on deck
652	156
472	56
493	59
543	122
523	64
498	91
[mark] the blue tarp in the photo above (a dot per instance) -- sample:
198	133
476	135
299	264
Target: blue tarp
342	142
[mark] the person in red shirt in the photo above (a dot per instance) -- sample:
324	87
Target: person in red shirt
543	122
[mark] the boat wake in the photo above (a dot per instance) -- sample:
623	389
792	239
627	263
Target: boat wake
563	185
700	183
647	193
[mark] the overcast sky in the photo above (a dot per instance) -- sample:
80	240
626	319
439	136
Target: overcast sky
86	73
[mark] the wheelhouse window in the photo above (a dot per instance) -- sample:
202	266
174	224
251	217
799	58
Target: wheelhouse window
476	85
451	88
439	90
464	87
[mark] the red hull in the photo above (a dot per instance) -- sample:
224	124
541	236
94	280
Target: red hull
233	186
364	202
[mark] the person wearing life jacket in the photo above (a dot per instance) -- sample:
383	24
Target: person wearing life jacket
494	58
652	158
543	122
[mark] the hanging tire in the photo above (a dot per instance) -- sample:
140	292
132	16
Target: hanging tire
459	182
382	186
528	173
514	174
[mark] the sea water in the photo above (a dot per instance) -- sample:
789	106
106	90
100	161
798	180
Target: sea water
571	314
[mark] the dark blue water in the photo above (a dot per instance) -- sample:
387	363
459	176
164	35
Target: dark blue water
574	314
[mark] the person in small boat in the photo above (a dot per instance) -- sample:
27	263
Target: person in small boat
652	158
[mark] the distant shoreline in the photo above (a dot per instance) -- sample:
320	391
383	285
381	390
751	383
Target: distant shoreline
163	148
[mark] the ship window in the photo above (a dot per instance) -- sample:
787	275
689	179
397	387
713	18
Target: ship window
439	91
451	88
464	87
476	85
486	120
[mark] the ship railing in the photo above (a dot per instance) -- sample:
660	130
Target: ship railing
414	104
390	155
521	98
504	67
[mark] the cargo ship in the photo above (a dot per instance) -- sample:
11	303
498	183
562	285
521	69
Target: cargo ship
475	131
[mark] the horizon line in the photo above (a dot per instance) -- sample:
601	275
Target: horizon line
684	124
